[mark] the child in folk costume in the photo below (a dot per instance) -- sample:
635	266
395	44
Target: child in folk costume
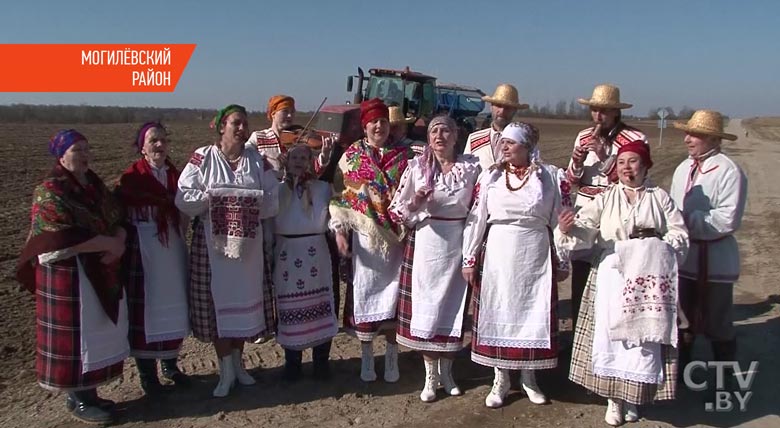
303	283
228	188
515	318
433	199
370	171
156	260
624	344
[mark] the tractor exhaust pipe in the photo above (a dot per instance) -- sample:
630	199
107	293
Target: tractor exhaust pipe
358	98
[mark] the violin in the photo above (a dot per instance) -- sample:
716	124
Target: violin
311	137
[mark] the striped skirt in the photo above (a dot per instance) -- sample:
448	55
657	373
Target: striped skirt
58	331
581	371
203	319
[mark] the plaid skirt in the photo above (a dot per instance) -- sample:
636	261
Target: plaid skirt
203	318
438	343
134	275
58	331
581	370
515	358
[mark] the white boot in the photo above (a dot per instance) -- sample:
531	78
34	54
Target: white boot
243	377
528	379
391	363
227	376
614	415
367	372
445	374
630	412
500	389
428	393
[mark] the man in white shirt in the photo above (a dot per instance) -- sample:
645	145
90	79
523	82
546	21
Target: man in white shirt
592	168
504	103
711	190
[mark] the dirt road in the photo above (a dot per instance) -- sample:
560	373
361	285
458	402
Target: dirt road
346	401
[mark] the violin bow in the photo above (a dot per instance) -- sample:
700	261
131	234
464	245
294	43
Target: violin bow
311	119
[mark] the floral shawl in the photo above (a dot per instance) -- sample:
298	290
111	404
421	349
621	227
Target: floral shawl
65	214
371	177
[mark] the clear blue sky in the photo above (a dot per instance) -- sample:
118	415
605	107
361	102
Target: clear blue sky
715	54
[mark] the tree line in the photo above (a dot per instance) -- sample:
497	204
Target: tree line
35	113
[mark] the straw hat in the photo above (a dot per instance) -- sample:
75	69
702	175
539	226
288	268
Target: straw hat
505	96
706	122
397	116
605	96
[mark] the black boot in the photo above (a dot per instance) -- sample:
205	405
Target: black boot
292	365
104	404
685	347
171	372
321	359
147	371
85	407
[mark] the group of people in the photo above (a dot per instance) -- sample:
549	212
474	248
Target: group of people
425	230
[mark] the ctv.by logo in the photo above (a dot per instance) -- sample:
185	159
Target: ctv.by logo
723	399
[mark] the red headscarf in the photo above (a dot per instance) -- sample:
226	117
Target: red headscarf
279	102
640	148
373	109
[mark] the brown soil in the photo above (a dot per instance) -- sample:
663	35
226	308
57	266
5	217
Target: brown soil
346	401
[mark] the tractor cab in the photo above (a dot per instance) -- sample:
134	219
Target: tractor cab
414	92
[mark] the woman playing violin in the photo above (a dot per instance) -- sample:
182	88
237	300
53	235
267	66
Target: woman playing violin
274	141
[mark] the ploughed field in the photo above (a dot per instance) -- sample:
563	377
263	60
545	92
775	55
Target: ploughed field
342	402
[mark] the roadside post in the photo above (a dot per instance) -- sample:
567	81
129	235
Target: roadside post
662	114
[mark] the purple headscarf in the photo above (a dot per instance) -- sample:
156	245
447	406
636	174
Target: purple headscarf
62	140
430	166
140	138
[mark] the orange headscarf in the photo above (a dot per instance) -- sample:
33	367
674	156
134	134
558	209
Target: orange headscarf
279	102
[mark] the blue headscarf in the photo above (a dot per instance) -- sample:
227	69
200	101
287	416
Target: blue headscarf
62	140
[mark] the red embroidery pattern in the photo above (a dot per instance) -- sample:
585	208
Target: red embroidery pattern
196	159
470	261
566	194
649	293
479	142
237	216
591	190
475	195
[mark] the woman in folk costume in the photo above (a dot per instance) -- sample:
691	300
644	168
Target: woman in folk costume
228	188
433	199
371	171
515	295
624	344
71	263
303	284
156	260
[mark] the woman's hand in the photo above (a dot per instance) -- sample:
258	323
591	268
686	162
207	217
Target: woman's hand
470	275
327	146
420	197
342	245
566	220
114	248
